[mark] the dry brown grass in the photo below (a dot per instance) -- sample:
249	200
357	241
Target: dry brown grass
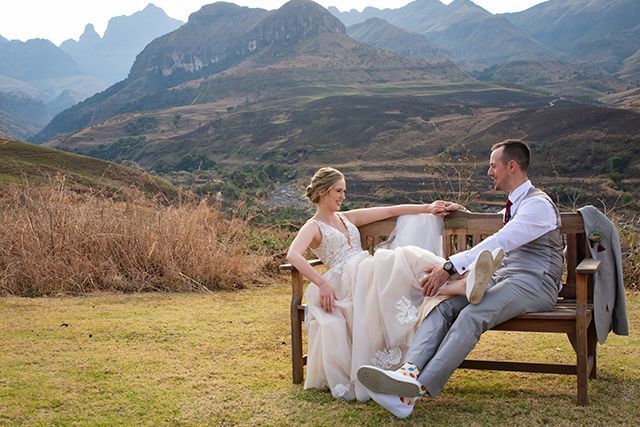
53	241
630	242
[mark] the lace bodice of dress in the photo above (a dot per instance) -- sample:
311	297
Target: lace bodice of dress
335	249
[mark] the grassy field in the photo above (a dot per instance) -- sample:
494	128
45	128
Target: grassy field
223	358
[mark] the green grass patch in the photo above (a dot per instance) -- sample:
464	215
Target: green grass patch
223	358
302	95
29	164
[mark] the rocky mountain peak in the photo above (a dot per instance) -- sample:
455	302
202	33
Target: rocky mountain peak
150	21
298	19
90	35
152	8
467	5
216	12
431	5
222	34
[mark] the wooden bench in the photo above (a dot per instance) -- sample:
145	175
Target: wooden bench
572	314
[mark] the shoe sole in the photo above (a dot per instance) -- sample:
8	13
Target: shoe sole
399	412
485	267
378	381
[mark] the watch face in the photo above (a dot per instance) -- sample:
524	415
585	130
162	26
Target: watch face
448	266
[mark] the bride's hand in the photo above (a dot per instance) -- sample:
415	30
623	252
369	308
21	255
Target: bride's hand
452	206
327	297
438	208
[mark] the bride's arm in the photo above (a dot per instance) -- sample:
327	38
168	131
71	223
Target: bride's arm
364	216
308	234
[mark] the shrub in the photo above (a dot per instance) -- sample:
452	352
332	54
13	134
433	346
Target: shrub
142	125
630	242
53	241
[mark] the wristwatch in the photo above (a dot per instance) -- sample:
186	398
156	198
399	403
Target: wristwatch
449	268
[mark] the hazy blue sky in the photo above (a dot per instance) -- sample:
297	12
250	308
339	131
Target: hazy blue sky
58	20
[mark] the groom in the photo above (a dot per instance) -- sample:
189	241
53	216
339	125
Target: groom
527	281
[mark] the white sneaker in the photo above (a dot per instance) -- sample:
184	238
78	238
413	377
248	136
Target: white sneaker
480	274
388	382
399	406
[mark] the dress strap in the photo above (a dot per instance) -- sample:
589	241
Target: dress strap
320	225
315	221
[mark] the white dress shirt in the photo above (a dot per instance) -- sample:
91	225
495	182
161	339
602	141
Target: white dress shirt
530	219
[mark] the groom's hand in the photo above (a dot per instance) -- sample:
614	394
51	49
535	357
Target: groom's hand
436	277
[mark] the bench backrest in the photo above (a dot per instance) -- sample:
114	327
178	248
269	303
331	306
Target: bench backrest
465	229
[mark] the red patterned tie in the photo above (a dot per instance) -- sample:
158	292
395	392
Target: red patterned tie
507	211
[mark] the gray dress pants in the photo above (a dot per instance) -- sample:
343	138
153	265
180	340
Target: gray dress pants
452	329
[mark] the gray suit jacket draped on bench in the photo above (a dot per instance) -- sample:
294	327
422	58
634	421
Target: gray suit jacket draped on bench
609	307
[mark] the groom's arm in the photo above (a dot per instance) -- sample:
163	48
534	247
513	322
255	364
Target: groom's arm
535	217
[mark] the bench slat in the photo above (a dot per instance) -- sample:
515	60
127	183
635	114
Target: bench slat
542	368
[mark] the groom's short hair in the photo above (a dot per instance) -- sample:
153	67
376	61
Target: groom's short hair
515	149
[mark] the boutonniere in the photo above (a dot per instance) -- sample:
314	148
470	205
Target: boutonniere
597	237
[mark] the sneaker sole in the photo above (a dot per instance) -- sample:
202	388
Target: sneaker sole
378	381
484	270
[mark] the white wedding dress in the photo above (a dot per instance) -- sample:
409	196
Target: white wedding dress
379	302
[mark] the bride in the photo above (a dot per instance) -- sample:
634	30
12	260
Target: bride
364	309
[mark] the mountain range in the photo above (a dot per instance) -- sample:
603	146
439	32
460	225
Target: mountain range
110	58
293	88
232	55
237	86
597	40
379	33
466	30
600	32
38	79
603	33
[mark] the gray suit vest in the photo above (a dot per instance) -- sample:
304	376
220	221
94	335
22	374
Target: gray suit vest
538	261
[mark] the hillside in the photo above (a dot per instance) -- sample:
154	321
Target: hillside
34	60
630	70
576	80
37	81
21	115
393	128
22	163
233	55
379	33
601	31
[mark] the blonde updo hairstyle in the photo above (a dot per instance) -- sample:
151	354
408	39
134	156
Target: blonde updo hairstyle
321	183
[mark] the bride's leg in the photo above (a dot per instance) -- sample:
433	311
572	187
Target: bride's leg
453	287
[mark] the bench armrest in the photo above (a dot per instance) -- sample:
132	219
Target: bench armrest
296	283
588	266
289	267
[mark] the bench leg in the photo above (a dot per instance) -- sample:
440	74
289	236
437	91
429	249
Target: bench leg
572	339
296	348
592	348
582	361
297	362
